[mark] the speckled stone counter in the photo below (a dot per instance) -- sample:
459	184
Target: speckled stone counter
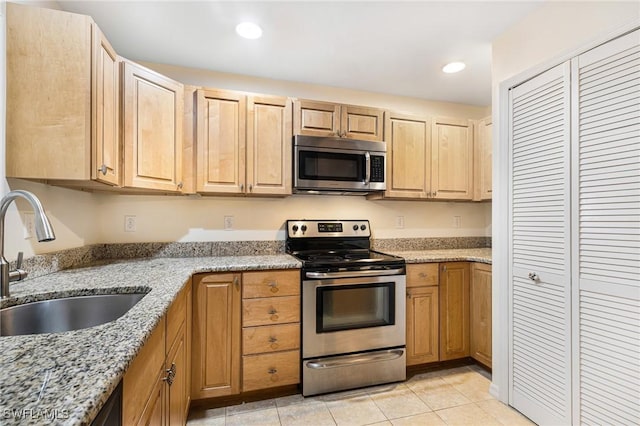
65	378
482	255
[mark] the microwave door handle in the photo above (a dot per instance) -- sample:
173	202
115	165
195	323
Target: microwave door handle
367	168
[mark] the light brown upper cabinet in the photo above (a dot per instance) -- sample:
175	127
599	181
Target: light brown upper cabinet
243	143
408	156
483	137
452	159
62	99
315	118
152	129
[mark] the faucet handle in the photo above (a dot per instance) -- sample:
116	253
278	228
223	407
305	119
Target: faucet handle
19	260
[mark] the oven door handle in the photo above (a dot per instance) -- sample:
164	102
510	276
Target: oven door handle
355	274
344	361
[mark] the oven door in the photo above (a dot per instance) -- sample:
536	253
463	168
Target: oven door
345	315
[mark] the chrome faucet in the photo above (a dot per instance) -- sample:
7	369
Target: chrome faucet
44	232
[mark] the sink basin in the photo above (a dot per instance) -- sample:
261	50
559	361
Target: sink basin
69	313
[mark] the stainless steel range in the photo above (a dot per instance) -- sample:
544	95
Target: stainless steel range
353	306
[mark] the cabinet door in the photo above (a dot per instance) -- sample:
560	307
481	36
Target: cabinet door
480	313
482	162
606	242
422	325
216	336
269	135
140	383
152	130
48	113
452	159
454	310
154	412
176	399
221	142
316	118
539	253
408	156
362	123
105	147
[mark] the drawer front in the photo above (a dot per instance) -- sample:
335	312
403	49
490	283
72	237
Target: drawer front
270	310
270	283
273	338
270	370
422	274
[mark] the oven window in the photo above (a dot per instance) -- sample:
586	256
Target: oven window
331	166
355	306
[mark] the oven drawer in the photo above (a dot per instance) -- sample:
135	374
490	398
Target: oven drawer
422	274
270	370
272	338
270	283
270	310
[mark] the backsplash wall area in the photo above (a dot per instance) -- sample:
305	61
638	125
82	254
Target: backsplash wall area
82	219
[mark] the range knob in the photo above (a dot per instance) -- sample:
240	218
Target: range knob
355	227
294	228
303	228
363	227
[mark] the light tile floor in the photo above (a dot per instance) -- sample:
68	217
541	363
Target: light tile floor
458	396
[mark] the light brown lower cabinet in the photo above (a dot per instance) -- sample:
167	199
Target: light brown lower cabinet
154	386
215	366
422	325
480	317
454	310
271	329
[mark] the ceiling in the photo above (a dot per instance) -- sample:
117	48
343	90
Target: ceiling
393	47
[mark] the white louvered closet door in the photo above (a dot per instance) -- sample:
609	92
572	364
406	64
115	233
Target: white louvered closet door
540	290
606	220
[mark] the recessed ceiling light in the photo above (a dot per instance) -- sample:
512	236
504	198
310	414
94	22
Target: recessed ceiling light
249	30
453	67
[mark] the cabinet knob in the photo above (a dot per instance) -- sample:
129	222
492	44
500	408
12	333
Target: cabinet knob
250	187
242	187
422	275
236	282
274	287
180	185
103	169
274	374
533	276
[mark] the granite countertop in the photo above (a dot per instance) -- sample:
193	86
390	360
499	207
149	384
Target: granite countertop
482	255
65	378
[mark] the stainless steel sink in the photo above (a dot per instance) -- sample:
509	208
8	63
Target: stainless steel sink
69	313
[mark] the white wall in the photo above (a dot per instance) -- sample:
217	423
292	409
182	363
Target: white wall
549	35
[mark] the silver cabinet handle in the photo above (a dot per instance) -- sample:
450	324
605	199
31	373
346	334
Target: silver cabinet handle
180	185
103	169
242	187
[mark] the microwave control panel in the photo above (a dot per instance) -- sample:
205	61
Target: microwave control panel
377	168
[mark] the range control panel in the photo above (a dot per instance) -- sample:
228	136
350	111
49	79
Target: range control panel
327	228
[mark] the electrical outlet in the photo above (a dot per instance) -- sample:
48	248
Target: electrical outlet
400	222
129	224
457	221
29	229
228	223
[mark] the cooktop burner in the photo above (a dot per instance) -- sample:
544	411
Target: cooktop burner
335	244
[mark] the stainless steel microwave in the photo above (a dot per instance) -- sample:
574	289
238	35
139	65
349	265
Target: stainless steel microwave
336	165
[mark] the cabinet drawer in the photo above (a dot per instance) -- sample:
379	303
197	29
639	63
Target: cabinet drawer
422	274
270	283
270	310
270	370
273	338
